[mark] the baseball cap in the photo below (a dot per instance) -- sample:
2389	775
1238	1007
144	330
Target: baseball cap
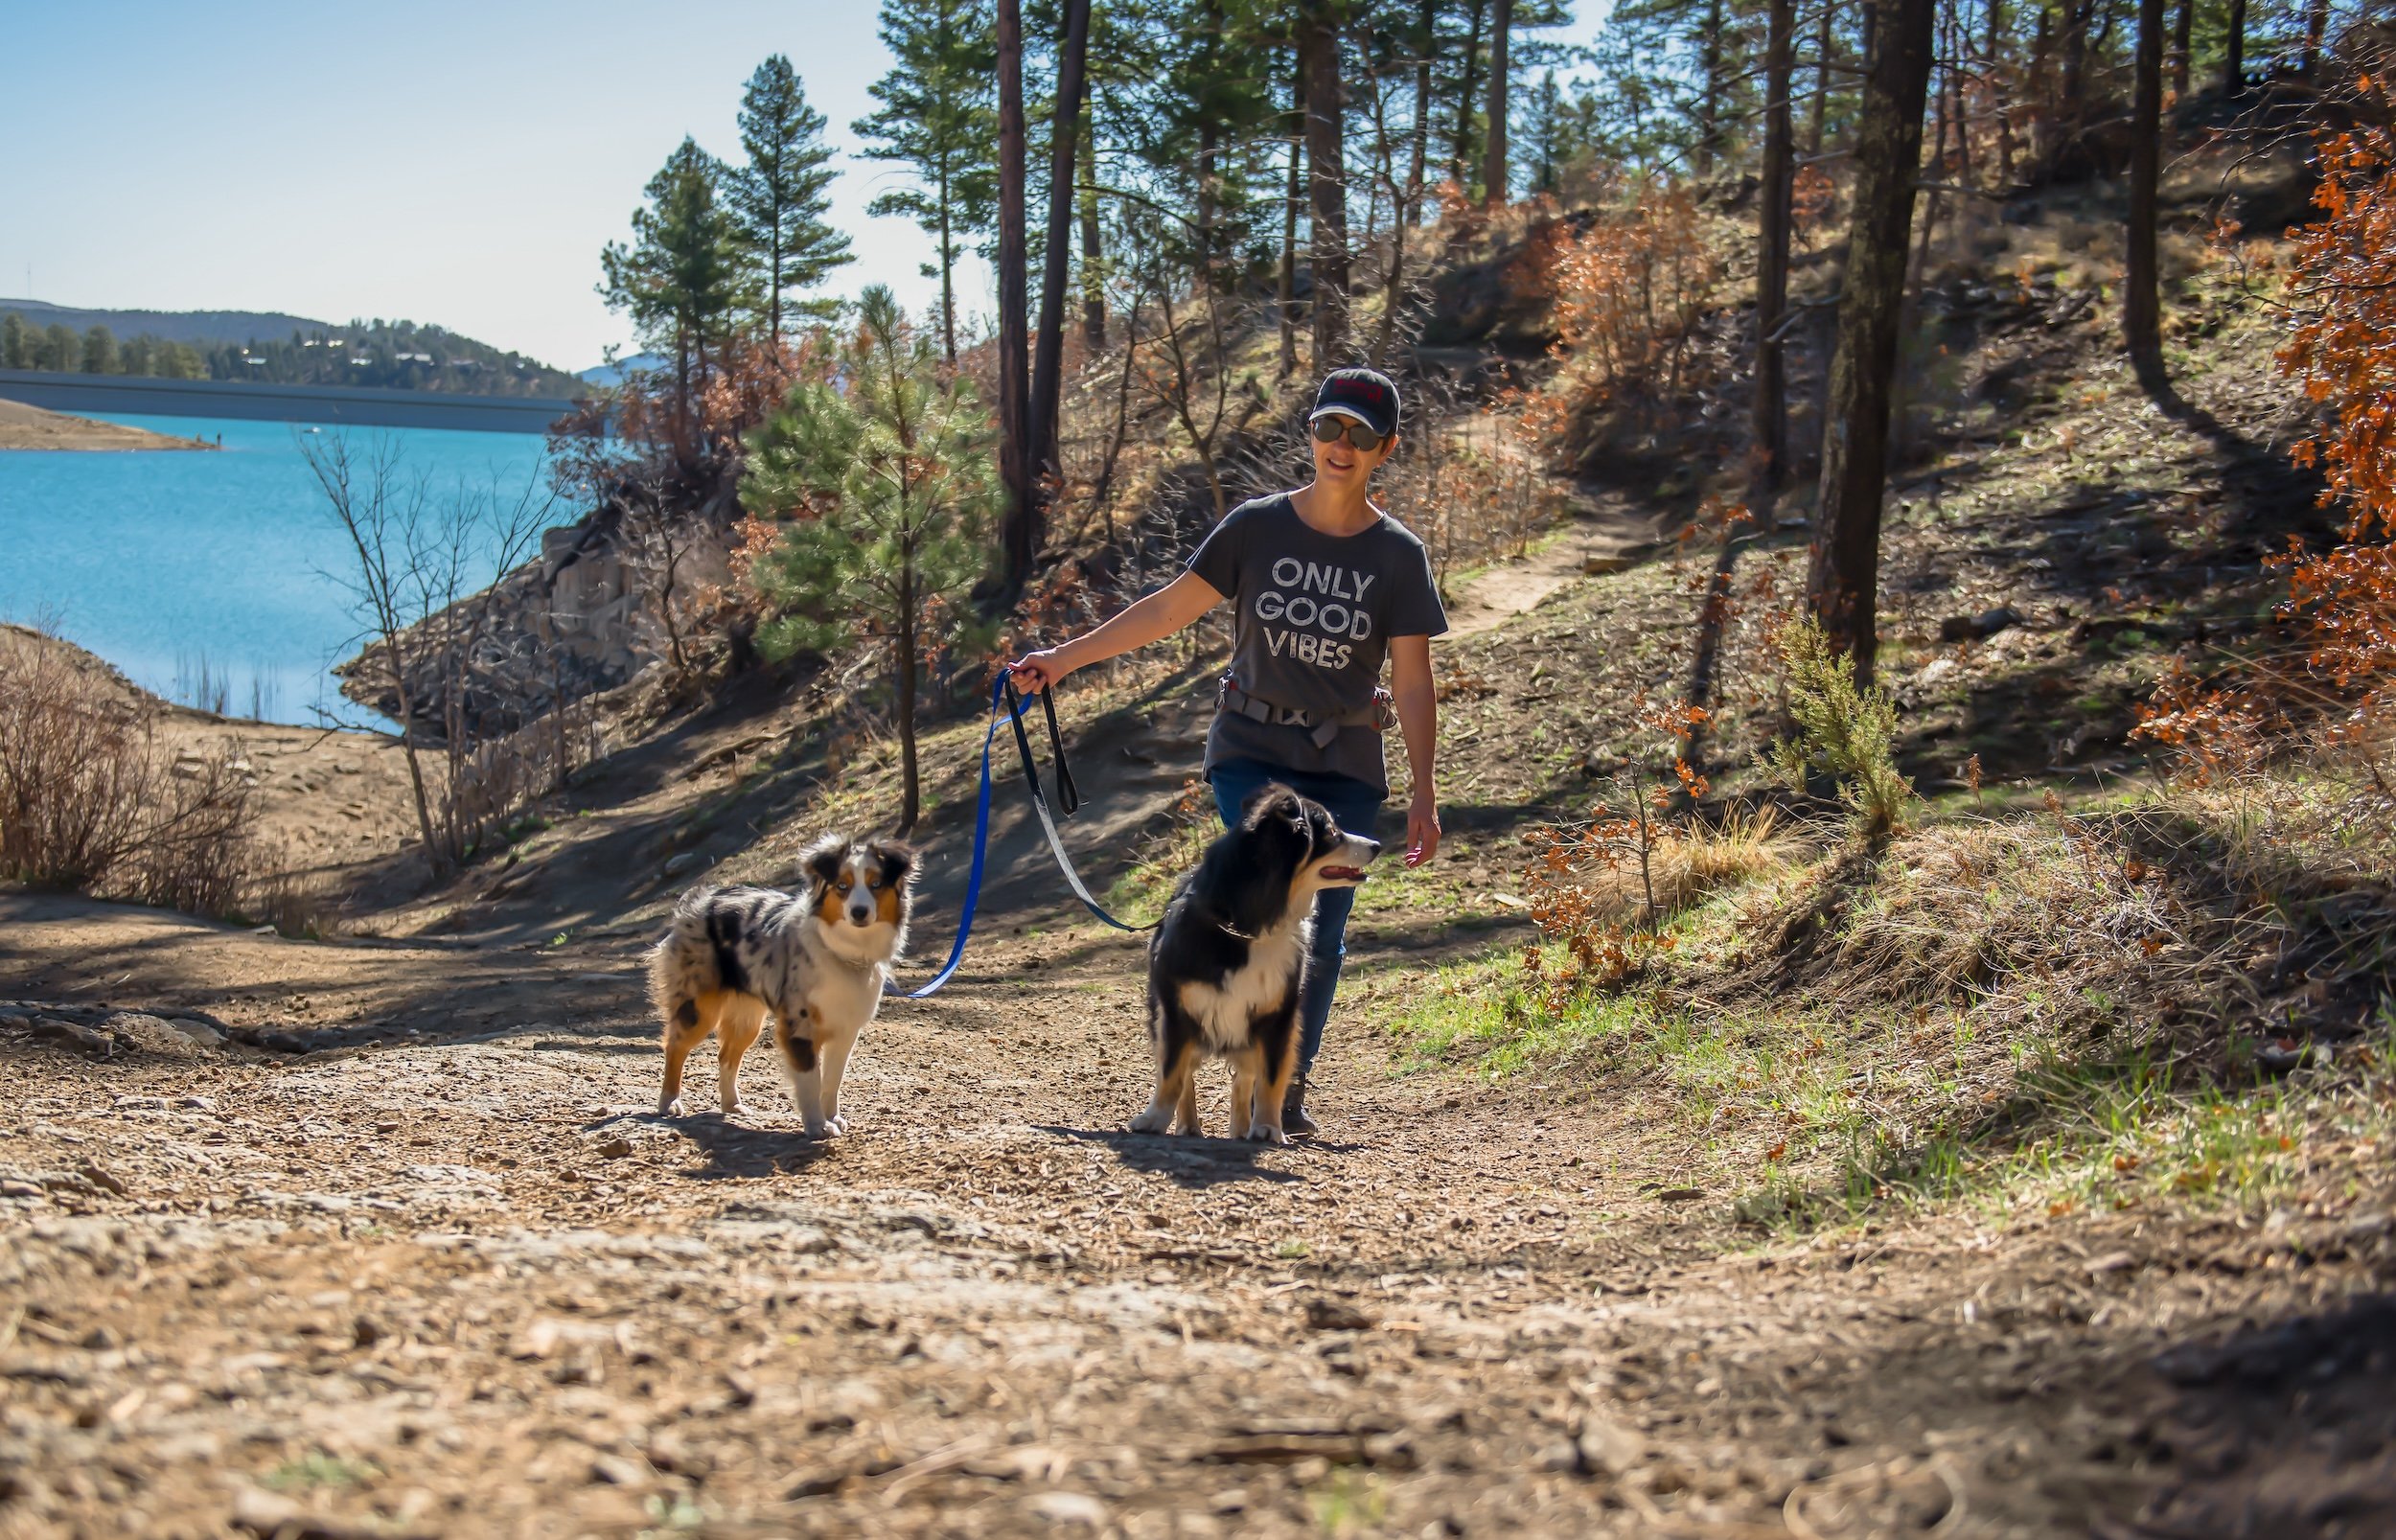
1367	395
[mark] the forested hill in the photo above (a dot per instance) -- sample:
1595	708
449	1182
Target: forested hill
266	346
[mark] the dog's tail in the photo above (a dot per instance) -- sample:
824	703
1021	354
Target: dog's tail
683	964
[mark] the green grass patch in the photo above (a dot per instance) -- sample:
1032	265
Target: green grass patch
318	1469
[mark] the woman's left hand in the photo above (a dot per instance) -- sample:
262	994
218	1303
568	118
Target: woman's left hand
1423	829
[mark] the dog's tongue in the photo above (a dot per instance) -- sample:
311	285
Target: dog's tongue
1342	874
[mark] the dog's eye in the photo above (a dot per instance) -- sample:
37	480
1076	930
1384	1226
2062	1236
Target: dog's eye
873	879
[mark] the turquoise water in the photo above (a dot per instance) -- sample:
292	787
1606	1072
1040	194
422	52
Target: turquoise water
213	576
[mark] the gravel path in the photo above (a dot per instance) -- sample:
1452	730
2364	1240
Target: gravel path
463	1282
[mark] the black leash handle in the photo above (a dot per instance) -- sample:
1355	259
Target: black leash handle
1068	794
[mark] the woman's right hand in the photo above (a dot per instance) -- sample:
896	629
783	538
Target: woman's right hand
1035	672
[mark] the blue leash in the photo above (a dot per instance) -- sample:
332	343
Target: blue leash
1005	701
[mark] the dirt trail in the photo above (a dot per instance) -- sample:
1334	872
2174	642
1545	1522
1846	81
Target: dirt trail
1605	539
465	1282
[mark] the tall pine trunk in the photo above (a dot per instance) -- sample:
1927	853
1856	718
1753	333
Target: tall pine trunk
2001	96
1048	359
1410	207
1093	294
1493	161
2142	304
2071	111
1018	542
2183	33
1772	400
910	794
1710	104
1328	177
948	270
1293	195
1842	578
1825	47
2234	50
1460	150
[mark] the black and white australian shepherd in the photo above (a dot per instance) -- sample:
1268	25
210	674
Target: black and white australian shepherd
1227	963
814	961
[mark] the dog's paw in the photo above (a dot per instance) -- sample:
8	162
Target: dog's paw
837	1125
824	1128
1267	1133
670	1107
735	1109
1153	1121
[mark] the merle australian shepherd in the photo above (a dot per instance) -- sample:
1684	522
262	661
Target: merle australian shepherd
815	961
1229	960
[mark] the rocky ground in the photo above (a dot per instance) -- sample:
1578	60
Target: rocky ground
447	1273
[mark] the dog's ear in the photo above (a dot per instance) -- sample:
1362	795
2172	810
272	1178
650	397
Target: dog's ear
822	860
895	861
1270	803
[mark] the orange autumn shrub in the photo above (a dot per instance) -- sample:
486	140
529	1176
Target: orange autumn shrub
2342	351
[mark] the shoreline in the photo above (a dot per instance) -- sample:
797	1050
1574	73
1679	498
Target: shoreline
36	428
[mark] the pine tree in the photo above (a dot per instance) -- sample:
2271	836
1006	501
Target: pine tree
887	482
939	115
778	197
1545	134
60	351
16	346
679	279
100	351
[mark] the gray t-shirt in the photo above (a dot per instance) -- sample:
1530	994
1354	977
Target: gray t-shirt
1313	615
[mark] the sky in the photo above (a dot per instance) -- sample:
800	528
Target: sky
453	163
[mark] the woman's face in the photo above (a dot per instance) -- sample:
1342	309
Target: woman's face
1340	463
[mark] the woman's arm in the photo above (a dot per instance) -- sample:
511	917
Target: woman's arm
1157	617
1418	719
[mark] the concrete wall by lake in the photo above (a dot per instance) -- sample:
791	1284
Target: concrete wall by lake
134	395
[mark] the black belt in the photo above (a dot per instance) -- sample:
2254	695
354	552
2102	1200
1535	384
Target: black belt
1322	727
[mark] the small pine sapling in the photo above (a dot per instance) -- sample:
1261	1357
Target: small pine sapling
1846	733
884	487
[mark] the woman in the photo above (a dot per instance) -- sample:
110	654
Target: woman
1325	585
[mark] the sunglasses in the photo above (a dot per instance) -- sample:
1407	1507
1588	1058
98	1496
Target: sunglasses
1330	427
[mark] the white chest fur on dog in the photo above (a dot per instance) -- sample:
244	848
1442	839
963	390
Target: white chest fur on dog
1269	973
845	994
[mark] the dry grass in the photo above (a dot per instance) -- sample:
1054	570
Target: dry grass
1688	864
92	801
2191	996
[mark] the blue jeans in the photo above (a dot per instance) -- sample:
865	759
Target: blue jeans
1355	806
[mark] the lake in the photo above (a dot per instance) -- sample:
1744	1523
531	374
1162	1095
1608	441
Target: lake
204	575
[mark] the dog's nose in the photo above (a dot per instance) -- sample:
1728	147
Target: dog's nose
859	914
1372	848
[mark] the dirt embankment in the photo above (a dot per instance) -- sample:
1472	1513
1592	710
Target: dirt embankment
31	428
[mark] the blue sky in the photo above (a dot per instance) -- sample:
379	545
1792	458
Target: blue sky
453	163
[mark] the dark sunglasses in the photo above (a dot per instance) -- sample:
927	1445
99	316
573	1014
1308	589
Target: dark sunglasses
1330	426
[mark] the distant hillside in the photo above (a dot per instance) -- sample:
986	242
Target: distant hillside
204	328
613	374
291	350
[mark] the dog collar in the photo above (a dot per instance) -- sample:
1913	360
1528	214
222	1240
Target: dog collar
1230	931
